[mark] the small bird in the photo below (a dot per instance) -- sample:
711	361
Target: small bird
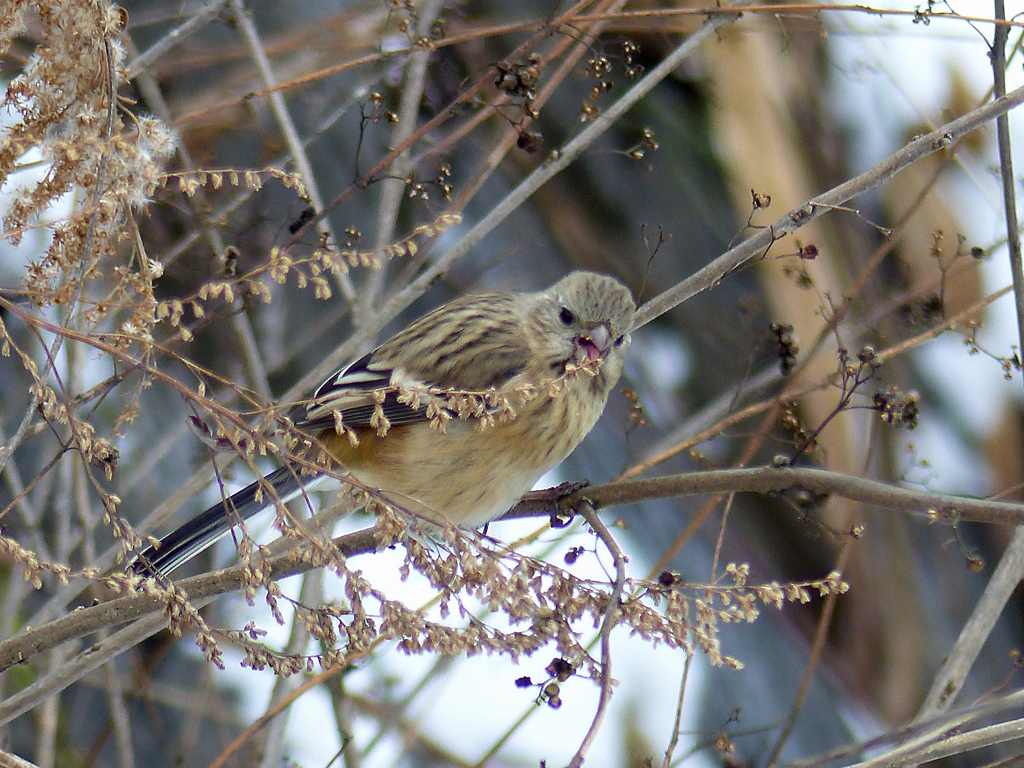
455	417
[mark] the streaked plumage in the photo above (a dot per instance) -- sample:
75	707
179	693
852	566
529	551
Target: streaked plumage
502	343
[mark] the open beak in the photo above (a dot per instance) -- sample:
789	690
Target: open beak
594	343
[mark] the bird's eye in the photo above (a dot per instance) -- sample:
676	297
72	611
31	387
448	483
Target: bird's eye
566	316
618	341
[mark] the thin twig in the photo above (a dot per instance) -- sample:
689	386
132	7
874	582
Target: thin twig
933	730
177	35
492	162
8	760
393	188
144	607
291	136
1006	577
118	717
607	625
755	246
817	646
1010	571
946	744
724	422
311	593
673	741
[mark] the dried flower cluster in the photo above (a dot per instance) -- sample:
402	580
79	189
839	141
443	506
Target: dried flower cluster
541	604
64	109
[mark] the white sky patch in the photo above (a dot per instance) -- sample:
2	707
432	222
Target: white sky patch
665	359
892	74
935	458
972	386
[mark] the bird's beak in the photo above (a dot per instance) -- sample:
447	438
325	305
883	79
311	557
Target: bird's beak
594	343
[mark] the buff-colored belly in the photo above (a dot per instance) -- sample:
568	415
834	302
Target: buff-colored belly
467	475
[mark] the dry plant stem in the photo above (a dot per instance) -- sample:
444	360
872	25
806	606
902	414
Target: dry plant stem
930	731
818	644
670	552
1000	588
413	740
835	320
808	10
620	18
46	687
678	722
1010	571
16	487
374	58
1006	172
272	712
442	664
45	719
193	24
947	744
8	760
118	716
440	118
492	162
607	625
291	136
70	316
57	604
562	158
756	246
123	609
532	709
245	193
8	450
210	406
393	189
251	359
485	761
343	709
249	351
311	593
749	450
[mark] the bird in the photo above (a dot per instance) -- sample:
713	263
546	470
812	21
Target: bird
455	417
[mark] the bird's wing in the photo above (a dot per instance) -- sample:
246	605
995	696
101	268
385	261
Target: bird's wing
351	393
420	358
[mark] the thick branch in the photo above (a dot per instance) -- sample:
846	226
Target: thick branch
778	480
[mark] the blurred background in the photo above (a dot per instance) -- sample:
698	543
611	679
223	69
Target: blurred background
782	103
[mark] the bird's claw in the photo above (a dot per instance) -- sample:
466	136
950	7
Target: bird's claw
559	496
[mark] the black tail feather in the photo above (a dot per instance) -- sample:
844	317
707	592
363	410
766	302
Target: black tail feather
200	532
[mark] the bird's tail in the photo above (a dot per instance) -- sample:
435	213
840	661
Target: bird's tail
193	537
